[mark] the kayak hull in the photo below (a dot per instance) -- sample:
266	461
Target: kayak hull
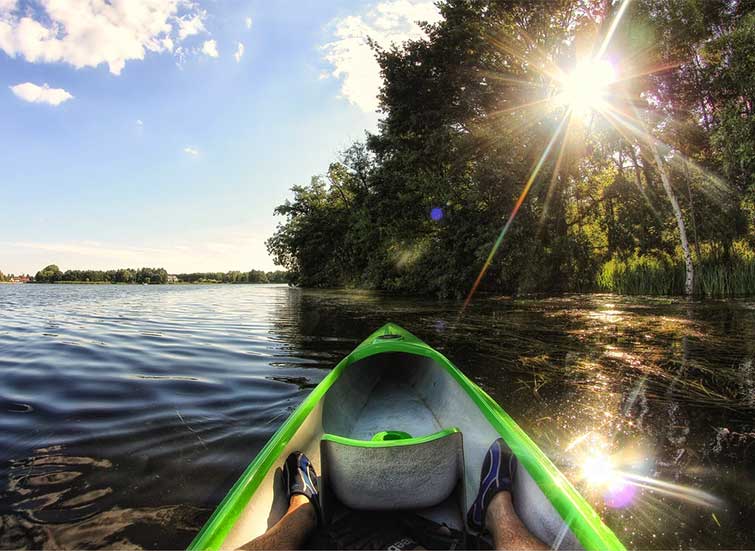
396	383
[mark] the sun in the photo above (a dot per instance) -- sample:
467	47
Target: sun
598	470
585	89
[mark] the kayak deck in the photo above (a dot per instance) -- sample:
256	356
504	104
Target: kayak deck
401	384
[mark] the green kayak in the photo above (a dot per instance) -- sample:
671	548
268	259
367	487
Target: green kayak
400	410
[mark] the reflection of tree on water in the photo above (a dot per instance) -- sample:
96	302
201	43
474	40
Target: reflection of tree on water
54	487
63	501
678	425
116	528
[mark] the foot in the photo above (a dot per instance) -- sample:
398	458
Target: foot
497	475
300	479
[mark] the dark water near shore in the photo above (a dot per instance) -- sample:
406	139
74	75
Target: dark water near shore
127	412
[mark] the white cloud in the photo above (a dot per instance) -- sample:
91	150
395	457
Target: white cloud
248	22
191	24
210	48
89	33
34	93
352	59
239	52
193	151
7	6
139	122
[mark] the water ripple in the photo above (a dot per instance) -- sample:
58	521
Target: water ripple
127	412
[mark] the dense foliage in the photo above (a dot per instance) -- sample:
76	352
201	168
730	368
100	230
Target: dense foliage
253	276
466	114
53	274
155	276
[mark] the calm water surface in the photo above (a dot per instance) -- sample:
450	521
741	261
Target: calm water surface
127	412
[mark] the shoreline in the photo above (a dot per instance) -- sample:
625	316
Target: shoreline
179	283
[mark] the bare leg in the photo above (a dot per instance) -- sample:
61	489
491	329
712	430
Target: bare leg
291	530
507	530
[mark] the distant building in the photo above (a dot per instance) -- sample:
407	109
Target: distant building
21	279
172	278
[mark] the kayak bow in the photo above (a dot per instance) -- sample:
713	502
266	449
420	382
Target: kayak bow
396	395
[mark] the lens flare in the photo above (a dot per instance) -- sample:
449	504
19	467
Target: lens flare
531	180
621	495
594	90
617	480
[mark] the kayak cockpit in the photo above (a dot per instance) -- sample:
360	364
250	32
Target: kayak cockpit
434	468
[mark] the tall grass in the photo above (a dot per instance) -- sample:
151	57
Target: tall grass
715	276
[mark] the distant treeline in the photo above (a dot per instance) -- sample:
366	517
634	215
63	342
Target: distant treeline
252	276
154	276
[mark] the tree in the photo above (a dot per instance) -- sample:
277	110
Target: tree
49	274
153	276
466	114
257	276
689	269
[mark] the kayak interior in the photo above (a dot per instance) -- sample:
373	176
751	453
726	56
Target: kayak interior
437	421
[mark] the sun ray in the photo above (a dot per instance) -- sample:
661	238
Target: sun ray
554	175
631	123
641	189
612	29
536	59
684	493
512	80
513	109
627	77
533	175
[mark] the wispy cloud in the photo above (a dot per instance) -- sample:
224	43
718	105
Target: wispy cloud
34	93
224	248
239	52
210	48
86	248
139	122
87	34
248	22
352	59
193	151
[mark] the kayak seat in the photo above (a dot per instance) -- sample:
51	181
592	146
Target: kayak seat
392	474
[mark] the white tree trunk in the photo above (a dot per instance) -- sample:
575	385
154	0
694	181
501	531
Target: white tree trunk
690	271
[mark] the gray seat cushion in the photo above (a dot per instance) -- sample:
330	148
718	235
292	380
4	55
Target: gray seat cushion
395	474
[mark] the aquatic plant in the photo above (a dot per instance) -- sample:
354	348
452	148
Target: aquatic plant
716	275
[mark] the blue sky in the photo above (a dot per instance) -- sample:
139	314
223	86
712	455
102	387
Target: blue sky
135	132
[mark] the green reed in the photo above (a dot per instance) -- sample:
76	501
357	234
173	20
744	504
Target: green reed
715	274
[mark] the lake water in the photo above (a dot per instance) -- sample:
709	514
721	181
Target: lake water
127	412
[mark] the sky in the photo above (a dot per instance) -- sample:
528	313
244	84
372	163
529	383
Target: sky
164	132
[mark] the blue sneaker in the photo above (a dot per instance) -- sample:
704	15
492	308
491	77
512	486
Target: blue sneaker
497	476
299	477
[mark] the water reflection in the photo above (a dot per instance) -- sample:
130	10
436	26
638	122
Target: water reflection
126	413
51	486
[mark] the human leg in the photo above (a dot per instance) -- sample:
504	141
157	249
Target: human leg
303	514
507	529
291	531
493	509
